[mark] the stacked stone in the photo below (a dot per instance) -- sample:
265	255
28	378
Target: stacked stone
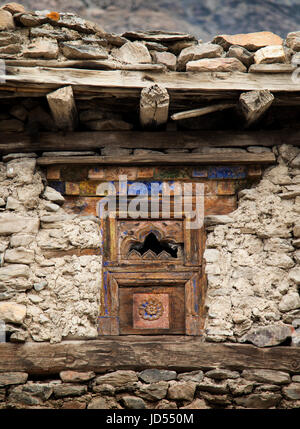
60	37
253	261
153	389
44	298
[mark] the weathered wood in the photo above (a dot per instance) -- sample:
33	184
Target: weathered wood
12	142
154	106
135	352
63	108
149	159
90	83
77	252
272	68
200	112
253	104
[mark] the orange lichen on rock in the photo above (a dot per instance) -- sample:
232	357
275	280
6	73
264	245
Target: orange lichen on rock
55	16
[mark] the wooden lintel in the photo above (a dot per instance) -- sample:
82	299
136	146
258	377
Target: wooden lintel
201	111
167	159
142	352
92	83
63	108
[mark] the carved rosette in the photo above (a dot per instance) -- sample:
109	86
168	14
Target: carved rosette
151	309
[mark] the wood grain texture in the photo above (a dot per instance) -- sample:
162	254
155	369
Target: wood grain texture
166	159
140	352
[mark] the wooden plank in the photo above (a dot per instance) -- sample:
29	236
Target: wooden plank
167	159
12	142
63	108
154	106
193	306
141	352
253	105
71	252
84	82
200	112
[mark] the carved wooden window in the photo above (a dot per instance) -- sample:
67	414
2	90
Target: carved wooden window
152	278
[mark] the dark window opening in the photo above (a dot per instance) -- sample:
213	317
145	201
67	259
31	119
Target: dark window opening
156	246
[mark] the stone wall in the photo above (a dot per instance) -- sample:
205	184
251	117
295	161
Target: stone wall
42	298
252	262
153	389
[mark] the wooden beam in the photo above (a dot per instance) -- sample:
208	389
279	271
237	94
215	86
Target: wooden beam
63	108
253	104
141	352
154	106
200	112
167	159
91	83
13	142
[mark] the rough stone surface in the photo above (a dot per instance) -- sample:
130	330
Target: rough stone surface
270	55
76	377
83	52
153	391
65	390
54	196
266	336
132	402
216	65
11	378
42	48
182	390
197	52
221	374
11	224
154	375
117	378
133	53
6	20
242	54
267	376
195	376
166	58
259	400
292	391
12	313
250	41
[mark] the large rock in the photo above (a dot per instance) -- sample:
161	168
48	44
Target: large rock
195	376
42	48
216	65
51	194
270	55
11	312
154	391
292	391
133	53
290	301
117	378
295	275
250	41
19	256
76	377
166	58
64	390
197	52
267	336
154	375
134	403
6	20
14	8
22	170
83	52
259	400
266	376
11	378
12	224
182	390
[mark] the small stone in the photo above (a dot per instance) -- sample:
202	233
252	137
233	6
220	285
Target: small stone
40	286
11	312
259	400
104	389
76	377
267	388
267	376
214	388
11	378
211	255
35	299
222	374
14	8
290	301
292	391
195	376
103	403
216	65
250	41
270	55
6	20
155	375
267	336
197	404
117	378
222	400
51	207
242	54
19	255
217	220
39	390
165	58
240	387
166	405
42	48
54	196
294	275
132	53
12	156
63	390
258	149
293	41
13	204
31	21
73	405
182	390
197	52
134	403
154	391
69	153
83	52
21	240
